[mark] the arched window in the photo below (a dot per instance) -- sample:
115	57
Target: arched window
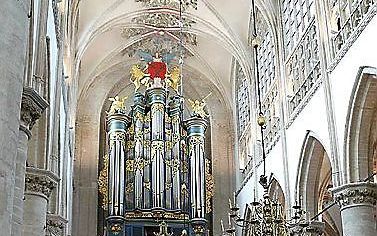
266	54
267	78
243	99
298	15
302	64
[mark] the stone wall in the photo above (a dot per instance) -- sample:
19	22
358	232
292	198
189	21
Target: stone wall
13	28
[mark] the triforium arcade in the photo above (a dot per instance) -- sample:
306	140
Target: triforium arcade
157	178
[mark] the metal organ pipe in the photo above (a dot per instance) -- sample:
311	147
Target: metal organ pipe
157	99
117	125
196	129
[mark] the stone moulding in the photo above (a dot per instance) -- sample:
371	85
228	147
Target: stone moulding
352	194
40	182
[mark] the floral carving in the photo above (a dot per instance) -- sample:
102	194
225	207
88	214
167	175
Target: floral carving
32	107
351	194
39	182
55	225
170	3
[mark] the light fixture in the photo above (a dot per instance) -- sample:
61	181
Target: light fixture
266	216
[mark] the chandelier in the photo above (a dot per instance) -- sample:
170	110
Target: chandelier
266	216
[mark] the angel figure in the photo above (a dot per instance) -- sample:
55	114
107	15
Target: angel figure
198	108
137	76
174	78
117	105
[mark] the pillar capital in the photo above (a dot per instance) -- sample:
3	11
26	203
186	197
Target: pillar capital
55	225
32	107
40	182
315	228
351	194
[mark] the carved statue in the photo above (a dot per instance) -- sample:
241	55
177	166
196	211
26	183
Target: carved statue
163	230
174	78
137	76
198	108
117	105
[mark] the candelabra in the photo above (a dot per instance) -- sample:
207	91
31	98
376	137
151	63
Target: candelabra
267	217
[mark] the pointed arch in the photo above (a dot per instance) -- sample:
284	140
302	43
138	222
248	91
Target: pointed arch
360	147
314	180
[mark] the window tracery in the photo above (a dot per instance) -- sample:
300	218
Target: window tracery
243	100
267	79
347	20
303	67
297	17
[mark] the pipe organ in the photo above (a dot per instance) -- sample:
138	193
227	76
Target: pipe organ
156	168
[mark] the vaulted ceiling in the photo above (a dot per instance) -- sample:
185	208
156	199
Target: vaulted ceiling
107	34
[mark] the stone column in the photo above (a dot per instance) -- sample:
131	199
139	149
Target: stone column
38	186
13	40
32	106
358	206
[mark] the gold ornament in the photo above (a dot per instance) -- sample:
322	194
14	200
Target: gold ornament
210	185
174	78
103	182
117	105
261	120
198	108
137	77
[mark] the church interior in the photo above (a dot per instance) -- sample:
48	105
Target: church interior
188	118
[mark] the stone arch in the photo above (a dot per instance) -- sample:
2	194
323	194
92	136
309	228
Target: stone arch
313	182
360	146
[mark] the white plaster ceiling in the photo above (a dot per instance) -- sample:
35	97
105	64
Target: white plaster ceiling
221	28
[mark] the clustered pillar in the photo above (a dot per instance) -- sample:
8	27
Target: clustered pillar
32	107
38	187
358	207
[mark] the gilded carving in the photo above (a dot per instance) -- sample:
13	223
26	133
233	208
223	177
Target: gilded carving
103	181
130	165
130	188
196	140
210	184
198	108
157	107
117	105
174	164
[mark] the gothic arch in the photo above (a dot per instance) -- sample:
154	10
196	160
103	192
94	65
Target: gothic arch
360	133
314	181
